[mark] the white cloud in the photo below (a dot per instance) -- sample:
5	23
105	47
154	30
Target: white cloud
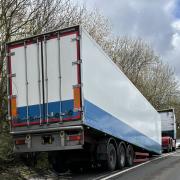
151	20
173	55
170	5
176	41
176	25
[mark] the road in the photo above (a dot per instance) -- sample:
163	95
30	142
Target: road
162	169
159	168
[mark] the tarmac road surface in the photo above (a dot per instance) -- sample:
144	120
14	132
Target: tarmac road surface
165	167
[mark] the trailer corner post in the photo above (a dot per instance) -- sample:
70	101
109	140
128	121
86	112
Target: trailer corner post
27	83
60	77
39	81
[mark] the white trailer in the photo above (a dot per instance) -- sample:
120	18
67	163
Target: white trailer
65	93
168	127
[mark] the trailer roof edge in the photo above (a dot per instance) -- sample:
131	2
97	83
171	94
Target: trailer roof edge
63	30
166	110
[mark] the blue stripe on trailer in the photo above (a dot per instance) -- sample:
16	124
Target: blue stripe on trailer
99	119
53	109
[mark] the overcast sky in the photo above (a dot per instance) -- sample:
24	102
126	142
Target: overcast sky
156	21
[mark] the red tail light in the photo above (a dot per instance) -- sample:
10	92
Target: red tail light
74	137
20	141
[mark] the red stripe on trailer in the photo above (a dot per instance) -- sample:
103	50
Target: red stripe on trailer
30	41
78	58
79	66
44	121
20	45
62	35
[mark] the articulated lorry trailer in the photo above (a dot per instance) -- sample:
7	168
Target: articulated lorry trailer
168	126
68	98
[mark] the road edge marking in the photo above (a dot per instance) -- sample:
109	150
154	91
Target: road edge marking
126	170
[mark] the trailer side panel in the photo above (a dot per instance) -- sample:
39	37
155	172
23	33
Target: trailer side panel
113	104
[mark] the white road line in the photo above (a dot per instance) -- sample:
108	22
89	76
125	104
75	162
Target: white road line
129	169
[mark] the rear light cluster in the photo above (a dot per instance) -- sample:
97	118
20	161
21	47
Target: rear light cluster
65	138
13	106
77	97
74	137
20	141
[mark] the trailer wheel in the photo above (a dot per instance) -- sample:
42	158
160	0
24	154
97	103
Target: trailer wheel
30	159
129	155
121	155
111	157
57	162
174	149
75	168
169	148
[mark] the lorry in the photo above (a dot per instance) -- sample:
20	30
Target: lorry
168	126
68	98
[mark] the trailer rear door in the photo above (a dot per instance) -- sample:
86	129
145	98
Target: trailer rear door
168	123
44	79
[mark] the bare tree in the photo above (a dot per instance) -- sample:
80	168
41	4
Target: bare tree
21	18
56	14
13	17
132	56
159	85
145	69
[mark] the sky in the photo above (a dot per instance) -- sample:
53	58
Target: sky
155	21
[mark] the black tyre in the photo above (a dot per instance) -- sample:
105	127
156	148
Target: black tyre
174	149
30	159
171	148
111	157
129	155
57	162
121	156
75	168
78	167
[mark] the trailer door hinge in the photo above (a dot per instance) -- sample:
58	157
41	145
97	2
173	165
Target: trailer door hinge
76	38
77	85
78	109
77	62
12	96
9	117
10	54
11	75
